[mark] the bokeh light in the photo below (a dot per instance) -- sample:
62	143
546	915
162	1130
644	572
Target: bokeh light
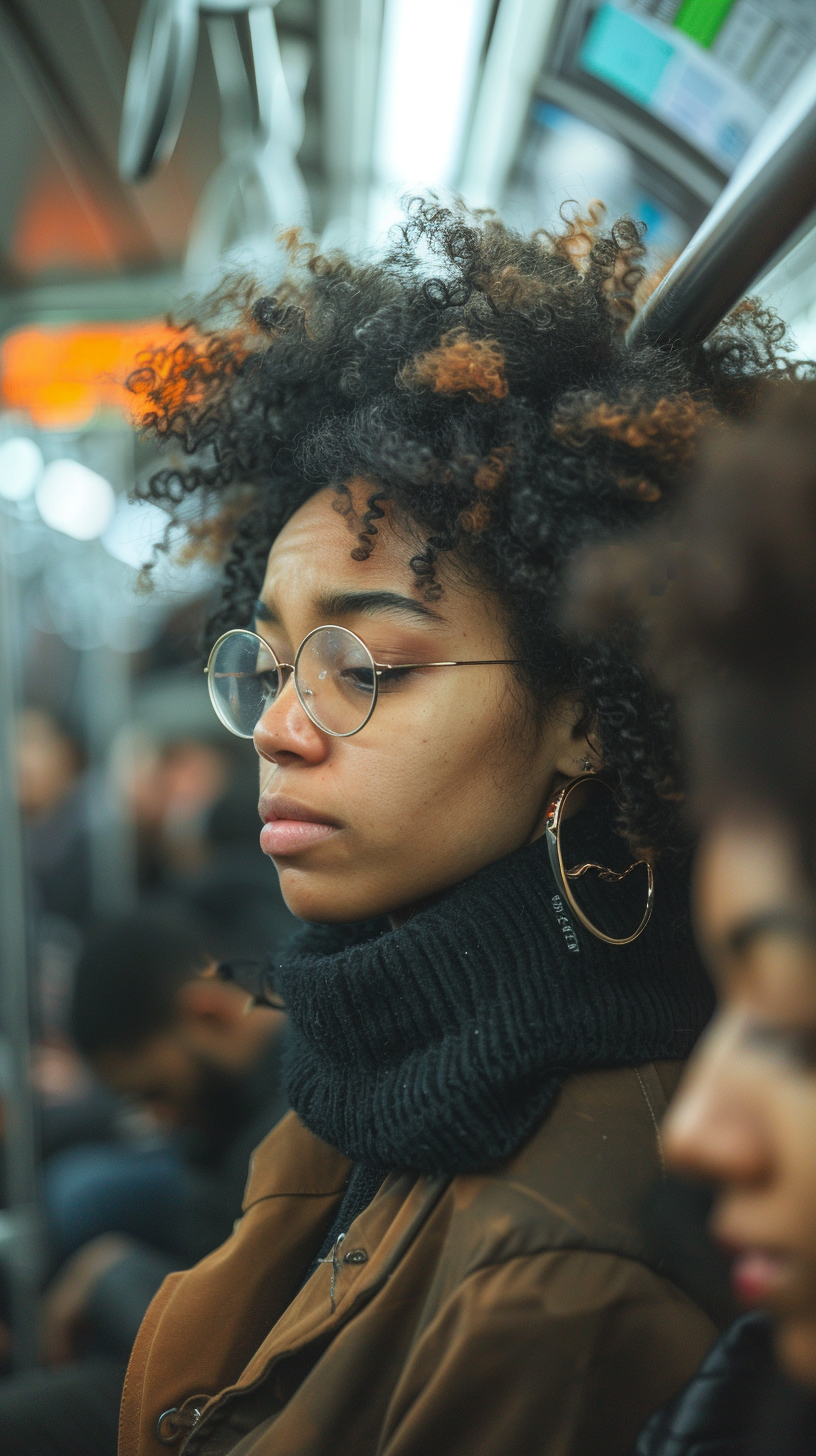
21	465
136	528
75	500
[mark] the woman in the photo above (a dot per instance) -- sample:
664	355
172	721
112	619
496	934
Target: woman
734	632
442	1247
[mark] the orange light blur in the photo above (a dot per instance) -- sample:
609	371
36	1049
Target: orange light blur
61	375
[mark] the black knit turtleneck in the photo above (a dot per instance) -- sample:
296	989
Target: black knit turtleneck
438	1047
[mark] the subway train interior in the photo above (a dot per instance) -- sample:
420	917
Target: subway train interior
152	150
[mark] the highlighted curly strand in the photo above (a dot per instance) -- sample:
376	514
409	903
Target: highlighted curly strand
461	364
667	430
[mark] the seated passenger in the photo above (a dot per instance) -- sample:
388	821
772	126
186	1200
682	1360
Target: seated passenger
121	1215
442	1248
179	1046
733	627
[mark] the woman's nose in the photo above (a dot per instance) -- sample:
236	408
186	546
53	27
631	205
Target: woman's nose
285	731
715	1127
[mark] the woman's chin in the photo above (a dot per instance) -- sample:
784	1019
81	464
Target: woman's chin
311	898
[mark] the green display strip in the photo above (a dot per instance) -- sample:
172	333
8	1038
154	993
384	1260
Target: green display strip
701	19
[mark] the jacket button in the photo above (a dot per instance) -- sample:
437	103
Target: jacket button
173	1423
167	1428
355	1256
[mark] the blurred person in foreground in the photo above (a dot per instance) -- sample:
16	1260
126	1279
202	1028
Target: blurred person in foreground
442	1248
728	598
179	1048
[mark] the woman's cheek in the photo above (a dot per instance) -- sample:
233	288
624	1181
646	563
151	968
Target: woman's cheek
796	1348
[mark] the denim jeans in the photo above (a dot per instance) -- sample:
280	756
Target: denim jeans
103	1188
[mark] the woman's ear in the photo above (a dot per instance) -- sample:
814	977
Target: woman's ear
579	750
591	745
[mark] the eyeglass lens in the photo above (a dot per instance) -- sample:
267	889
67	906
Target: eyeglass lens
335	679
243	680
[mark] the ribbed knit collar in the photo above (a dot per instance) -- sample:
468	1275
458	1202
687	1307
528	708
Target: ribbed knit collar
439	1046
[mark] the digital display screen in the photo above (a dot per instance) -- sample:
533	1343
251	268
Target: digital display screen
711	70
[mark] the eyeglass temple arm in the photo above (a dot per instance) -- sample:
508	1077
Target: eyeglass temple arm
468	662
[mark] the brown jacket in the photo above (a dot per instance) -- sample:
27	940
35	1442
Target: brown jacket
509	1313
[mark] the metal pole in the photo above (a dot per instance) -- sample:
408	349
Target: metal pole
20	1241
105	685
772	191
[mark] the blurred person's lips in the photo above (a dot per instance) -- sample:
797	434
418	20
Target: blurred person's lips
290	827
761	1275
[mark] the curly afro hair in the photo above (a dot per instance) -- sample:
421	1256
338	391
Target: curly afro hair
479	381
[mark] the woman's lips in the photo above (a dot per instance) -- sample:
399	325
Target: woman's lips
759	1275
288	836
290	827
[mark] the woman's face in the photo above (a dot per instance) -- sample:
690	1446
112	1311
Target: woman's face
450	773
745	1115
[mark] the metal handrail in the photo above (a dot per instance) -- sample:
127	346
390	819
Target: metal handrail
770	194
20	1228
160	74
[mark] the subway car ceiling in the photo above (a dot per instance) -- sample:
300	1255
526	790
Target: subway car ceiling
520	104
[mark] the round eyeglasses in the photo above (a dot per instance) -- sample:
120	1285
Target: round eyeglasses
336	679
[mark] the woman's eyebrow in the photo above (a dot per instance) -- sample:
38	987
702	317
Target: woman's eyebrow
343	603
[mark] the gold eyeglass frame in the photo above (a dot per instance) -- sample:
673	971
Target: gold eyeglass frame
562	876
378	667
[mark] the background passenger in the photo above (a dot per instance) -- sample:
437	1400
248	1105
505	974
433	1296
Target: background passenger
193	805
180	1047
408	452
53	794
205	1080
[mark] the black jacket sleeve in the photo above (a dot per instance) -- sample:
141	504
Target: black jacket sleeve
717	1412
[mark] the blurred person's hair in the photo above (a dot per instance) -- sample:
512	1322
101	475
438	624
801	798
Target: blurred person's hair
725	594
478	382
127	979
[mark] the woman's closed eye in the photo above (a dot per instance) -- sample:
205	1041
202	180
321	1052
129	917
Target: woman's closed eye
362	678
394	677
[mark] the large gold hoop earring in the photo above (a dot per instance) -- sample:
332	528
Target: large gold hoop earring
563	876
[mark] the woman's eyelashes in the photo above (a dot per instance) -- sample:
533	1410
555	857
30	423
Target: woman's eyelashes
389	679
394	677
